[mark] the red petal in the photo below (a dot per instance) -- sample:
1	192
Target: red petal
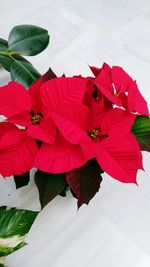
34	90
14	99
121	79
45	131
117	122
17	152
71	119
98	106
104	84
134	142
62	89
119	158
89	147
95	70
22	119
6	126
136	102
61	157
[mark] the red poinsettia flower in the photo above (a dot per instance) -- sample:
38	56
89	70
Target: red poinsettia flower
119	88
107	138
23	108
57	96
17	150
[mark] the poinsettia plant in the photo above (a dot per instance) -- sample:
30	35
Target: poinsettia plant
71	129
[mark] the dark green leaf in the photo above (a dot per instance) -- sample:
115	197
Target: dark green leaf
63	192
14	225
24	73
49	185
3	45
22	180
141	130
6	61
28	39
85	181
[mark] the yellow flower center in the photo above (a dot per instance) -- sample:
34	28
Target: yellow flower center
94	133
36	119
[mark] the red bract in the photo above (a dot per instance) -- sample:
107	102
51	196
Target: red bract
62	90
119	88
59	158
17	150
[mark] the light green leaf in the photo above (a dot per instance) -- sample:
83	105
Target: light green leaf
14	226
4	251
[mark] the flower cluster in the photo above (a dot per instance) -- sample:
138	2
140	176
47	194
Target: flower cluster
61	123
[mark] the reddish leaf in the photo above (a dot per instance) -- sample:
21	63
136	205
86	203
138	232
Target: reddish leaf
85	181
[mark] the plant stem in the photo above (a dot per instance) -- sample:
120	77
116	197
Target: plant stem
12	53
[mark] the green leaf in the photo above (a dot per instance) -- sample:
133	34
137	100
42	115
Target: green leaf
141	130
28	39
24	73
15	221
49	186
85	181
4	251
22	180
6	61
3	45
14	226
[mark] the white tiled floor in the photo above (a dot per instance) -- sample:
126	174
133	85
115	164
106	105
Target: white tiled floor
114	230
